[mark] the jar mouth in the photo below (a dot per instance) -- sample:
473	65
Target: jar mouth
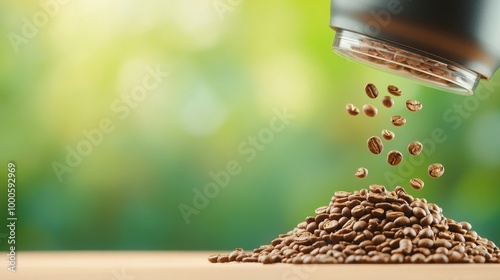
433	72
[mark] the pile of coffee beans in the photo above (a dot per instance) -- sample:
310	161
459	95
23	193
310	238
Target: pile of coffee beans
375	144
373	226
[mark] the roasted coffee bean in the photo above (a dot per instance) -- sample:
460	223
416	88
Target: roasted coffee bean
223	259
361	173
393	215
397	258
466	226
360	226
371	90
418	212
417	258
387	135
415	148
358	211
402	221
398	120
387	101
375	145
439	258
405	245
351	109
213	258
370	110
394	90
409	232
413	105
416	183
378	212
394	157
435	170
426	243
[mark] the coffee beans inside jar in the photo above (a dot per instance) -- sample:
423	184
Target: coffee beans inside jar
373	226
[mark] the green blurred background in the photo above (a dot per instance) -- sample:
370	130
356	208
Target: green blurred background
229	70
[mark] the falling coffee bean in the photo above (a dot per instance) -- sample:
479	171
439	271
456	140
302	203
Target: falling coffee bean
370	110
394	157
415	148
398	120
416	183
387	135
352	110
361	173
387	101
375	145
371	90
394	90
436	170
413	105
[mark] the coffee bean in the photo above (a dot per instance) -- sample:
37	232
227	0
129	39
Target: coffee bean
466	226
397	258
402	221
387	101
394	90
427	220
398	120
417	258
374	188
223	259
394	157
413	105
360	226
426	243
405	245
416	183
358	211
435	170
303	238
370	110
371	90
387	135
393	215
213	258
361	173
330	225
409	232
415	148
439	258
352	110
375	145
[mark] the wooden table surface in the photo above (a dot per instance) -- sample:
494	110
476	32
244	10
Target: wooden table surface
143	265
